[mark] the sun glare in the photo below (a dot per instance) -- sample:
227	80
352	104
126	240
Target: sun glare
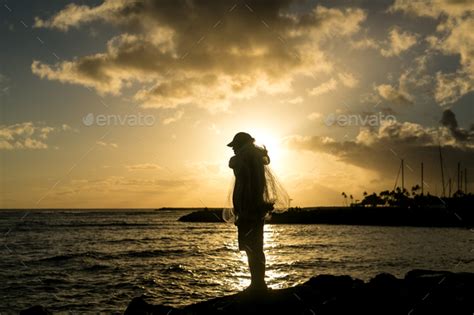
269	141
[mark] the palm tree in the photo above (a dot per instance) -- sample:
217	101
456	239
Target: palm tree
345	198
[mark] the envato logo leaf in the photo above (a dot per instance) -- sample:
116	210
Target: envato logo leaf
88	119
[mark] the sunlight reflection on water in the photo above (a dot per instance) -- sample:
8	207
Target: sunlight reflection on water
107	258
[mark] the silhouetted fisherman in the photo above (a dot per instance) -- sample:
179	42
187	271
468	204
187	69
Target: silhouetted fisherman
249	203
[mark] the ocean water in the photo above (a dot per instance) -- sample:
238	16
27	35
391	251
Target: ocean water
97	261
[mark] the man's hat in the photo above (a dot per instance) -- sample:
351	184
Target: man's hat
240	139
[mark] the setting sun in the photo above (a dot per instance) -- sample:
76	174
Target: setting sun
265	138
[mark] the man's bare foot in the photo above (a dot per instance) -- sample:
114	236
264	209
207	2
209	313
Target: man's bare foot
256	288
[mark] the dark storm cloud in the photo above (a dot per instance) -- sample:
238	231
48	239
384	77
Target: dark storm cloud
449	120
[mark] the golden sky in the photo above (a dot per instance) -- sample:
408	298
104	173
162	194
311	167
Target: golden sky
131	103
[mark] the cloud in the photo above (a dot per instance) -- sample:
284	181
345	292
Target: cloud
124	185
26	135
214	128
457	39
4	84
453	37
449	120
208	168
314	116
433	9
202	53
143	166
396	96
380	149
452	86
365	43
296	100
75	15
348	79
177	116
415	85
325	87
107	144
398	42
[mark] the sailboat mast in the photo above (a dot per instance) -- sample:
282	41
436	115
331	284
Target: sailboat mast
422	181
403	176
442	170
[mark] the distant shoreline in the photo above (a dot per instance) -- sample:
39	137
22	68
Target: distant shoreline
372	216
107	209
159	209
334	215
145	209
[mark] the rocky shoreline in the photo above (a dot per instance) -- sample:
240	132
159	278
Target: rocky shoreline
419	292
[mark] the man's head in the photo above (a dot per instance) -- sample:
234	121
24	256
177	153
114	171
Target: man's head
240	139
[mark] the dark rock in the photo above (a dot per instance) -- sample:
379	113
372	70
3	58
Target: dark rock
420	292
385	280
211	215
35	310
428	275
330	282
139	306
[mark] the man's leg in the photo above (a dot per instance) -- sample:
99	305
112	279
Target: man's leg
256	259
256	256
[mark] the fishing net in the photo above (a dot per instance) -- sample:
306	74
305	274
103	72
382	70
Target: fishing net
274	193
